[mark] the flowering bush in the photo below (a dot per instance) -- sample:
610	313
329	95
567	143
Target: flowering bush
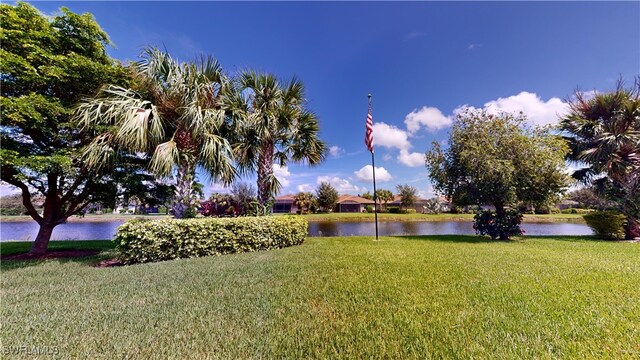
488	223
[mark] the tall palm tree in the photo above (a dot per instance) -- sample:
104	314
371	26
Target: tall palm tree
173	113
604	133
276	127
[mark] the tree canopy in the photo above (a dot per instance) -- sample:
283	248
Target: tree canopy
408	195
496	159
327	196
48	65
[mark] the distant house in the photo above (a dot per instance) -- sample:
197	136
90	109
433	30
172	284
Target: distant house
284	204
351	203
419	205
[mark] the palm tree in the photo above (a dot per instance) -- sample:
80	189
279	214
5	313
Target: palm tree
305	201
604	134
173	113
384	196
276	127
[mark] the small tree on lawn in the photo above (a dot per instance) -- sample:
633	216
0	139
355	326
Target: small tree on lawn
384	196
497	160
408	195
327	196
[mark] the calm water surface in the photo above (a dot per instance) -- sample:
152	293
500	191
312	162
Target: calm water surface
26	231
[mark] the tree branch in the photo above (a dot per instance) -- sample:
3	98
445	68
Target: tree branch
26	197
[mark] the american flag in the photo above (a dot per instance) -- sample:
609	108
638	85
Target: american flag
368	138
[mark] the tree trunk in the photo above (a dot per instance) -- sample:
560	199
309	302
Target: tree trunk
42	239
265	172
499	215
184	184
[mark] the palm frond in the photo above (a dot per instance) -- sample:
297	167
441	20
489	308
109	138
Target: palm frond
165	157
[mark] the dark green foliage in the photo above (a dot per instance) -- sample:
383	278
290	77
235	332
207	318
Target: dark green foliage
609	225
140	241
327	196
408	195
490	224
394	210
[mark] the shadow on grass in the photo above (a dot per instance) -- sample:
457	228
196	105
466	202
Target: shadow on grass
106	248
474	239
471	239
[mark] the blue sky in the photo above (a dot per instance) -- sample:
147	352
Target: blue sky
420	60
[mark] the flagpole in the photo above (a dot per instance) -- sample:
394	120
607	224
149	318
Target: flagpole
375	196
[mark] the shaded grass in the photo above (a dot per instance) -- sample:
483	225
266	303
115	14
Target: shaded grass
402	297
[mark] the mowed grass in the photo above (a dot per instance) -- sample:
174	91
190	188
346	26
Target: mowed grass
402	297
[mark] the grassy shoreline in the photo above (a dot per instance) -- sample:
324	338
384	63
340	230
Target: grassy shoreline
337	217
402	297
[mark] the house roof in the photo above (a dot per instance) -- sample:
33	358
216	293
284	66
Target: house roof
397	200
353	199
285	198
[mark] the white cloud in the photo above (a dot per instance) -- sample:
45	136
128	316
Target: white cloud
340	184
282	173
390	136
366	174
306	188
413	159
387	157
335	151
538	112
432	118
473	46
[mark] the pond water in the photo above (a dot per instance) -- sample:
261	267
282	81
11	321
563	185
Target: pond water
105	230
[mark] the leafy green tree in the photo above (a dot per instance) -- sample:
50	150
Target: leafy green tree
327	196
408	195
48	65
497	160
603	133
276	127
172	112
305	201
384	196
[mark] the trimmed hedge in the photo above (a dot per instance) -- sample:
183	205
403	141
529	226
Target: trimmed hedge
607	225
141	241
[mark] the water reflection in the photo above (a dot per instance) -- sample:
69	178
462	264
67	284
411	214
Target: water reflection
106	230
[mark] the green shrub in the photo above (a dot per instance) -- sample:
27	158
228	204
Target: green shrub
554	210
577	211
394	210
368	208
140	241
607	224
406	211
488	223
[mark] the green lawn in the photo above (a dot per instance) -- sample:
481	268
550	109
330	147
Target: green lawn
412	297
